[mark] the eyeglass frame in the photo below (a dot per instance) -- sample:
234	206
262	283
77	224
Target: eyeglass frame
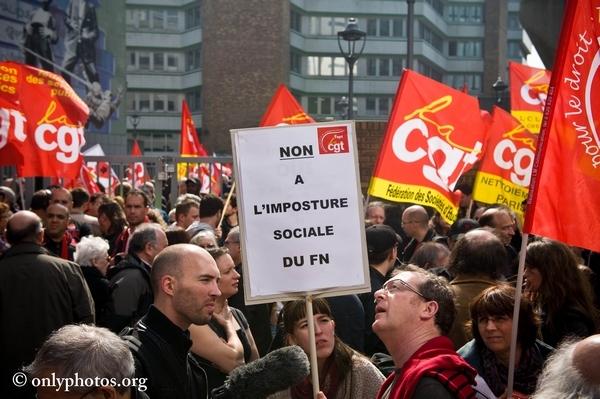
392	282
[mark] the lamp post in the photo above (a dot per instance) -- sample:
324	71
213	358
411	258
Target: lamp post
135	121
410	18
499	86
352	36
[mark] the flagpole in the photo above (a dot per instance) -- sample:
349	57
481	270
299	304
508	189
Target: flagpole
226	204
515	319
61	69
469	209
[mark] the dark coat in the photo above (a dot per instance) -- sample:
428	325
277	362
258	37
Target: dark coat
39	293
131	293
163	358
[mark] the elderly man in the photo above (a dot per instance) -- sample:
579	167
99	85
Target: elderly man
38	294
572	372
375	212
184	281
131	289
415	223
93	354
501	220
413	313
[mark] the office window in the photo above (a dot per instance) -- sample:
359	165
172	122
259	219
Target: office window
371	27
158	19
144	102
384	27
159	61
192	17
465	13
427	34
143	19
172	62
465	48
399	27
194	98
144	61
173	19
295	21
192	59
514	49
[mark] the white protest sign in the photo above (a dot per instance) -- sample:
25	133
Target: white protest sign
301	217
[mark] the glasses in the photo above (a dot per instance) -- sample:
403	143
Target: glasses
392	286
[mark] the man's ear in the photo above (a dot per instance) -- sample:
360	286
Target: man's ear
168	284
429	310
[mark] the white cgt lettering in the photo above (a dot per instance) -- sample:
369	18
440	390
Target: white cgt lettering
439	175
520	174
67	141
18	125
526	95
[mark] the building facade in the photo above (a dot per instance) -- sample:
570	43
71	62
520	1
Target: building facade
227	57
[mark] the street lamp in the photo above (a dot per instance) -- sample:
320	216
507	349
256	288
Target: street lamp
499	86
135	121
351	35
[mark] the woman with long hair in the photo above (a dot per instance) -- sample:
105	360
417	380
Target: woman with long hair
491	326
226	342
343	372
112	222
561	292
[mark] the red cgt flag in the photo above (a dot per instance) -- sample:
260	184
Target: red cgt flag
139	171
189	145
284	109
434	135
528	92
505	170
564	197
41	122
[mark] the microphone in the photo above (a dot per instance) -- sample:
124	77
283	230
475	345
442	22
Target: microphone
274	372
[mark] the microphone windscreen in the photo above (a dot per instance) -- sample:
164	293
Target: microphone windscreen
274	372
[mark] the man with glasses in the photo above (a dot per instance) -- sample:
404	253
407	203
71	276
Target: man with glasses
415	223
413	313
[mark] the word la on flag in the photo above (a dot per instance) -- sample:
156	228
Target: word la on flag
434	135
564	198
528	93
284	109
505	170
41	122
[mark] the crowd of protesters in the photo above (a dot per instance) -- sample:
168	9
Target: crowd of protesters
77	271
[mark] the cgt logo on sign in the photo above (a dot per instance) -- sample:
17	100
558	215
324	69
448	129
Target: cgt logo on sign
333	140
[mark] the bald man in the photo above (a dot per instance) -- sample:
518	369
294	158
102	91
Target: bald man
184	281
39	294
572	371
415	223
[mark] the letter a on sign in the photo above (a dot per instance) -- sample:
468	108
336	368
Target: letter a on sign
435	134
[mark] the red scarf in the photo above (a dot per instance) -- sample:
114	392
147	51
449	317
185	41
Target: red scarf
436	359
329	382
65	242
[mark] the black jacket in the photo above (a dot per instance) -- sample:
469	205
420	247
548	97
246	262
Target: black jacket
39	293
131	293
162	356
